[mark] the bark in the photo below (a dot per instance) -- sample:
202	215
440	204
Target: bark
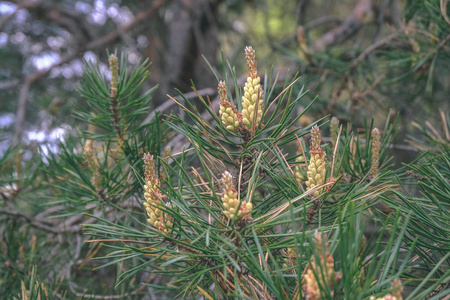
192	31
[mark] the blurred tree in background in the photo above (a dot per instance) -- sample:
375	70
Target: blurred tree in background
357	58
361	57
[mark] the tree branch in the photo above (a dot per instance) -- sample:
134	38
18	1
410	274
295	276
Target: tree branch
168	104
109	38
372	48
33	222
350	25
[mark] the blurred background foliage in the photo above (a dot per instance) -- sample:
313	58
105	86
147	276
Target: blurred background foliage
358	57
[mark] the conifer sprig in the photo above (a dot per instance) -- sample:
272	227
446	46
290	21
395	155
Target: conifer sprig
96	172
241	225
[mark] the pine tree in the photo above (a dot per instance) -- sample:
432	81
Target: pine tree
228	217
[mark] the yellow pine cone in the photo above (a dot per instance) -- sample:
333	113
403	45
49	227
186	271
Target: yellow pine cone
376	142
229	116
245	211
153	198
397	287
114	68
250	57
319	274
316	173
157	218
92	161
252	102
228	113
316	168
232	206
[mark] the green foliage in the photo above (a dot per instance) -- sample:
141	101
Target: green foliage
209	254
429	229
102	167
35	289
402	66
356	238
78	223
20	185
92	173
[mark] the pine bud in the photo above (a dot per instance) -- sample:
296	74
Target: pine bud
316	168
153	198
250	57
114	68
252	101
228	113
397	289
320	273
232	206
92	160
376	143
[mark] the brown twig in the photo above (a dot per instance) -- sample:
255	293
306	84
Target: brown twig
350	25
321	21
71	225
40	225
168	104
372	48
